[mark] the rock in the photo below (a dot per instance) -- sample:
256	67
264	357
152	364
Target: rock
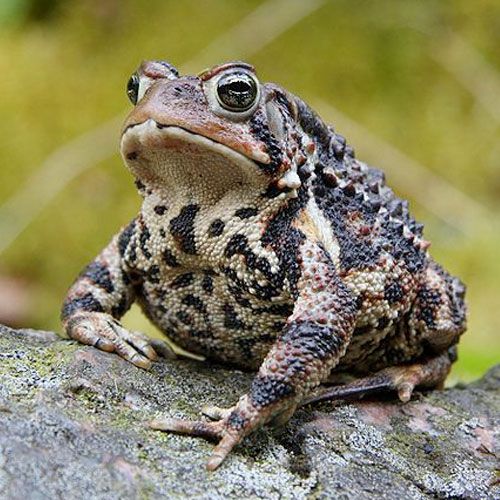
72	425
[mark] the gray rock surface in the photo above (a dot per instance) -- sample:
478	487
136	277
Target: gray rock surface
72	425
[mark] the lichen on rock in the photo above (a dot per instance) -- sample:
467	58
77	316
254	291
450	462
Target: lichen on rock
72	424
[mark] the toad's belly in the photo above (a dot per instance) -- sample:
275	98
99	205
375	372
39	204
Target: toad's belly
207	315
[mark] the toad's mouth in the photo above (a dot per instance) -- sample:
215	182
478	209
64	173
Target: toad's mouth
171	154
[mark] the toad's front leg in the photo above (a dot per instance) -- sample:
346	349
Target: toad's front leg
98	298
314	339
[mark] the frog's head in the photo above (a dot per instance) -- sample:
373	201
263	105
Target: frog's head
220	129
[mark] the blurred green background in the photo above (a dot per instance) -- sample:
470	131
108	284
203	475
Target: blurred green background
414	86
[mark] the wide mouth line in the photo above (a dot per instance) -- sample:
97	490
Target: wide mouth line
162	126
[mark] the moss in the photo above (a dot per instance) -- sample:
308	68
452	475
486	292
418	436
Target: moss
186	408
147	491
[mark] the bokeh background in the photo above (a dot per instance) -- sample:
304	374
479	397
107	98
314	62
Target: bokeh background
414	86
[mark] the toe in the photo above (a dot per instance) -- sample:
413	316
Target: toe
163	349
86	335
140	361
222	450
207	430
140	341
405	390
216	412
145	347
104	344
126	351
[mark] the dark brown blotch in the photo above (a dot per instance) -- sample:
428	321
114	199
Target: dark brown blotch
216	228
182	228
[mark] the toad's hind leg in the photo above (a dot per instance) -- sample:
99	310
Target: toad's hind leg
438	319
427	373
315	337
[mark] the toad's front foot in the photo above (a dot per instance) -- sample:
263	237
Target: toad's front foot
230	428
104	332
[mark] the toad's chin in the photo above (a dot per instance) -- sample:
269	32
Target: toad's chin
170	156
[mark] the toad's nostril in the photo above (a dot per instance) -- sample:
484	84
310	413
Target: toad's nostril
173	71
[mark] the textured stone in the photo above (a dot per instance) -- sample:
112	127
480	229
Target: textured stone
72	425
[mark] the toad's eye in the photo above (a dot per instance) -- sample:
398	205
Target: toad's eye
133	88
237	91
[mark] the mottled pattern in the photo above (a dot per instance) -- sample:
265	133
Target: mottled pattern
263	242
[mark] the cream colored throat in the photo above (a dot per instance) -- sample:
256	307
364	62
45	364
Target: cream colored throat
187	165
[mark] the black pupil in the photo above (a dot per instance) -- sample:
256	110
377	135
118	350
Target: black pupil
237	91
133	88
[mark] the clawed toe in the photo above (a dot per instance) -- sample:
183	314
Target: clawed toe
104	345
405	390
140	361
218	430
199	428
163	349
216	412
106	334
222	450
